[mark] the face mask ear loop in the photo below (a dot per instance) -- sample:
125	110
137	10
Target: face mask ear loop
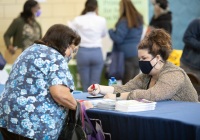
162	61
155	64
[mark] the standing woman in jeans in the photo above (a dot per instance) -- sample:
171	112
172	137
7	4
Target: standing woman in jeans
126	37
92	28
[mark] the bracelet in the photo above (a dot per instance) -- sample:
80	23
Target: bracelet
118	96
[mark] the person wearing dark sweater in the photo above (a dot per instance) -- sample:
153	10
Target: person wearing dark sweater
162	17
190	59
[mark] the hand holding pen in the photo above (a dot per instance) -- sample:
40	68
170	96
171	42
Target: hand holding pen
94	89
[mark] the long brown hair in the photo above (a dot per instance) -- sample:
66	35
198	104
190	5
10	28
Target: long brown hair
27	13
129	12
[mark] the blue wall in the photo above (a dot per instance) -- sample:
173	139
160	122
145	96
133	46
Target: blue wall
183	12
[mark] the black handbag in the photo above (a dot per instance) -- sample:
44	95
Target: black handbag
72	128
114	65
2	62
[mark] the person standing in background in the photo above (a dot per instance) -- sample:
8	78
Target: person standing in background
190	59
126	37
162	17
92	28
24	29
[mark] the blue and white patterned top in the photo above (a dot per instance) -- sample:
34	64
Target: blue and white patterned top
26	105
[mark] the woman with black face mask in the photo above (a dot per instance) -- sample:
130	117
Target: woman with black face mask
159	80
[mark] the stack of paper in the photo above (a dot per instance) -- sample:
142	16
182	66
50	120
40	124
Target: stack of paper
106	104
135	105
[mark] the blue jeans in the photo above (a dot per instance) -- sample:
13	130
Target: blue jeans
90	64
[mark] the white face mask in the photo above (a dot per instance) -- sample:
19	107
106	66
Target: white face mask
68	58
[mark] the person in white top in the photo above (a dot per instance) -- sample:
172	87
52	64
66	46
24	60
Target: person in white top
92	28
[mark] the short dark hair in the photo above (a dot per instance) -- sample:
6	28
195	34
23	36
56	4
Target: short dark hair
162	3
27	13
157	42
90	6
60	37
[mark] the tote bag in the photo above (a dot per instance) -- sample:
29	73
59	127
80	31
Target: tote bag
93	133
114	65
72	128
2	62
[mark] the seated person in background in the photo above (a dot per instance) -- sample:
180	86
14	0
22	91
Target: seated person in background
159	80
37	94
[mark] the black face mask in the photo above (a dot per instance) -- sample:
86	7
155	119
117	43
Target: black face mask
145	66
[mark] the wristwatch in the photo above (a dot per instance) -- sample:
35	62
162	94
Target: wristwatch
118	96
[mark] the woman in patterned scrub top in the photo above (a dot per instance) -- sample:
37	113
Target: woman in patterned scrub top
37	94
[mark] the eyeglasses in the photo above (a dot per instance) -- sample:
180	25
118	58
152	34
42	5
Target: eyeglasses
74	48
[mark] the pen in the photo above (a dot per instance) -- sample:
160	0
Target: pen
81	101
93	87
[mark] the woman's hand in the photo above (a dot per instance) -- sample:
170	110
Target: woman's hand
110	96
94	89
88	104
12	49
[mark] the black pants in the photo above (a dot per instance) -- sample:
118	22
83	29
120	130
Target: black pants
11	136
131	69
